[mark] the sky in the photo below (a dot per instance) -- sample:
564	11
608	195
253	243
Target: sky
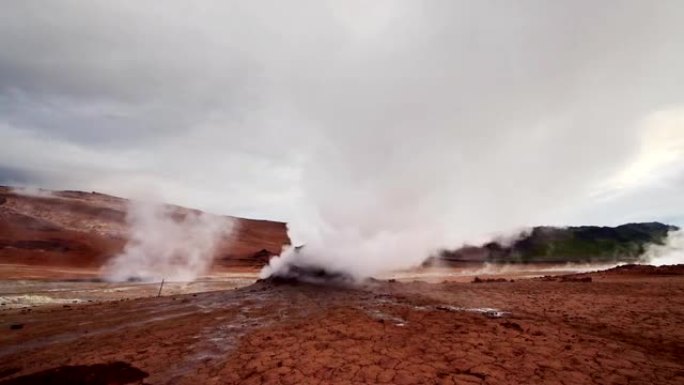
413	123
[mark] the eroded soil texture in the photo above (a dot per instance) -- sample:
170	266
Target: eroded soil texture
614	329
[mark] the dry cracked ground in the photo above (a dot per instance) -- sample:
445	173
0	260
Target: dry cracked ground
613	330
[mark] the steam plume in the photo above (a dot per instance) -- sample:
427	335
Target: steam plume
671	253
164	243
389	200
32	191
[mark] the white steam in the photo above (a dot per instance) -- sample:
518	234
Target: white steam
447	125
350	252
32	191
166	244
381	201
670	253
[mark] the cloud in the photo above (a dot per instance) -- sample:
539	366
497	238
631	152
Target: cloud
396	127
660	153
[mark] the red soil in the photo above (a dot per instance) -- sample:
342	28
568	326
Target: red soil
622	330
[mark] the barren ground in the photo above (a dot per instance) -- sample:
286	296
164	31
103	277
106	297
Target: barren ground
621	328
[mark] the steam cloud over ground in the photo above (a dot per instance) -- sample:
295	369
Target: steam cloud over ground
380	131
165	245
671	253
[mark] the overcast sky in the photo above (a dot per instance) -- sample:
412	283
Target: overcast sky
477	115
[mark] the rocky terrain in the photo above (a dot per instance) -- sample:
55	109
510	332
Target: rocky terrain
617	328
79	230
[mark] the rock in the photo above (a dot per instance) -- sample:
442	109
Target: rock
575	279
16	326
488	280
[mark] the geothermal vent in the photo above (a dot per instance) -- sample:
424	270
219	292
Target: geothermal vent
296	274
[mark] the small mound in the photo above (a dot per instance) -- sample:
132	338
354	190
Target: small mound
582	277
633	269
490	280
296	274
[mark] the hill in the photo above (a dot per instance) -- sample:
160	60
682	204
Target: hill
625	243
84	230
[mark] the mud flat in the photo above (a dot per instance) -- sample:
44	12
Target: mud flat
25	286
465	272
26	291
620	328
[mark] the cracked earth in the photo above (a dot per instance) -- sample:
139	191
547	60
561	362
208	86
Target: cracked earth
614	330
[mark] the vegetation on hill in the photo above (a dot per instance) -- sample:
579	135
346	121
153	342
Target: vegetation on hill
626	243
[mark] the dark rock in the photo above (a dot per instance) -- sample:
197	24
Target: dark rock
512	325
489	280
99	374
575	279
